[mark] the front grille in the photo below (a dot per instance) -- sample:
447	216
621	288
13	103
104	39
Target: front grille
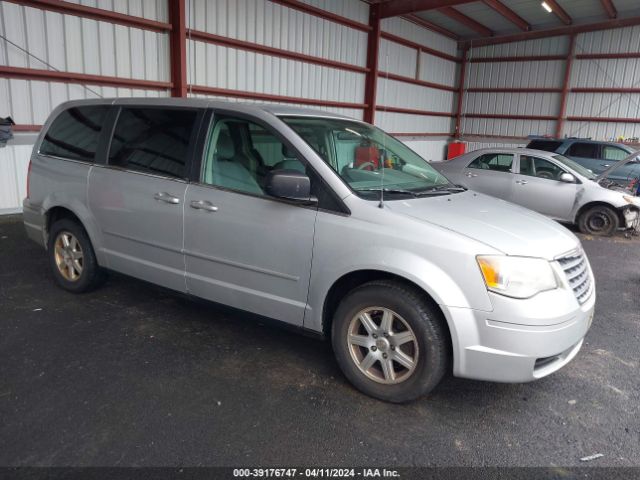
576	269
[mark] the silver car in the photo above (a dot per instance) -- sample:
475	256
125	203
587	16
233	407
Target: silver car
548	183
316	220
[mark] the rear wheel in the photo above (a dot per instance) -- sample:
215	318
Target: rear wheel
390	342
599	220
71	257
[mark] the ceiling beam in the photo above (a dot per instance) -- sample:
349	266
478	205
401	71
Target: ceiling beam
559	12
430	26
394	8
552	32
509	14
466	21
610	8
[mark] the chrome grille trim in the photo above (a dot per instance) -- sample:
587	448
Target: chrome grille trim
576	269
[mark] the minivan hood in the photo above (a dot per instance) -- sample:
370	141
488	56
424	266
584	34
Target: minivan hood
506	227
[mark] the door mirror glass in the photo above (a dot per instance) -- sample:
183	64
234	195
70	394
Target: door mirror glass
567	178
289	184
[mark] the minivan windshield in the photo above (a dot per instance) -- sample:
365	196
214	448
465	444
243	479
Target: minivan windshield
575	166
369	160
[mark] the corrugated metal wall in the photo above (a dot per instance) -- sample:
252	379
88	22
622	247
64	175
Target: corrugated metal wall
585	73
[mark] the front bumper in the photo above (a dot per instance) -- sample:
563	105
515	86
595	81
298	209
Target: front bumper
496	346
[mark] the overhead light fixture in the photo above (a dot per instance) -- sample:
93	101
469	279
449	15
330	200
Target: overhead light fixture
546	6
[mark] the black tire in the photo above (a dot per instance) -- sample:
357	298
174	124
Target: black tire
91	275
419	314
599	220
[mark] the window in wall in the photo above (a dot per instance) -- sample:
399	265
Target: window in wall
74	133
153	140
500	162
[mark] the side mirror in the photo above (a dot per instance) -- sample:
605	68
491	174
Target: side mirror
567	178
290	185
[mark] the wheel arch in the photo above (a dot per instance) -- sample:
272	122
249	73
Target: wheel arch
590	205
351	280
55	212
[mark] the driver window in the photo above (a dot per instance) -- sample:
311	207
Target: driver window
539	167
240	154
613	153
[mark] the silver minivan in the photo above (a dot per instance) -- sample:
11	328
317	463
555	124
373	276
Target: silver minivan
316	220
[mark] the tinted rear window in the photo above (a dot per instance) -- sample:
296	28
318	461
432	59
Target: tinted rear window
585	150
546	145
75	132
153	140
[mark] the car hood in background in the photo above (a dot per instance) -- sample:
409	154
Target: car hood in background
501	225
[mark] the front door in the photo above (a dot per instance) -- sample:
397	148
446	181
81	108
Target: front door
491	174
538	186
244	248
138	197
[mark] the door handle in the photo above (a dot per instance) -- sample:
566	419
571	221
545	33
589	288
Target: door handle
521	182
166	198
470	175
203	205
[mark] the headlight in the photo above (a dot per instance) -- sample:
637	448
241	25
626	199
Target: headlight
519	277
631	200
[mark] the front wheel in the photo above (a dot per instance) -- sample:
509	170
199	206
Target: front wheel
599	220
390	342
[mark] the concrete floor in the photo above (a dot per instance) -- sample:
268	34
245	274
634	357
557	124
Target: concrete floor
134	375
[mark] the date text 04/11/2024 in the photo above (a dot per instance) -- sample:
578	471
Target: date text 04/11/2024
315	473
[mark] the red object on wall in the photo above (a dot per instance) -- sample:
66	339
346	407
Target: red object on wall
456	149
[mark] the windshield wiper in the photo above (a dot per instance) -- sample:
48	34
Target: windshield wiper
388	190
443	188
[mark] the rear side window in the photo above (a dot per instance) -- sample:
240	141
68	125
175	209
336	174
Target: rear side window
546	145
584	150
75	132
153	140
500	162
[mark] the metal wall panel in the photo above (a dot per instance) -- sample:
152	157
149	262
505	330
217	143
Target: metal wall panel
409	123
515	74
274	25
392	93
74	44
606	73
355	10
224	67
507	128
541	46
14	160
539	104
396	58
619	40
438	70
415	33
472	146
151	9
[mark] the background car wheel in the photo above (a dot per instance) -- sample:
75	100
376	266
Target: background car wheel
599	220
390	342
72	258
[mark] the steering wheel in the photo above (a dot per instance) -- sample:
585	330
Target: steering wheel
365	165
545	174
